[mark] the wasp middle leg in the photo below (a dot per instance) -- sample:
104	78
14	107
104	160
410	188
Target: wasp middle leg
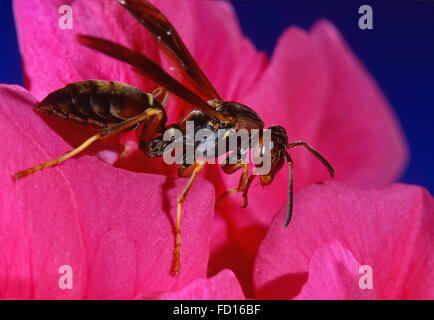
192	171
242	184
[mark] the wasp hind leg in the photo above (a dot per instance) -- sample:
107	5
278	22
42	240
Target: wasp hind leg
102	134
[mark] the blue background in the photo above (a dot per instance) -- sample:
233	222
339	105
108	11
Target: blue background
399	52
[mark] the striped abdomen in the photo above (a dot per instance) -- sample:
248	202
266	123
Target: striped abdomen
96	102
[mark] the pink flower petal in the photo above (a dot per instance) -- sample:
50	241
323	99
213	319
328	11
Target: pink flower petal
113	227
334	275
313	87
290	89
52	57
291	93
223	286
318	91
231	257
391	230
359	131
302	90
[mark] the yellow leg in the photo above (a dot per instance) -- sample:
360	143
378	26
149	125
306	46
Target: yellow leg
103	133
177	251
161	92
241	186
181	197
246	191
59	160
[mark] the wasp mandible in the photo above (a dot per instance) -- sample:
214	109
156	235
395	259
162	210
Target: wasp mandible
114	107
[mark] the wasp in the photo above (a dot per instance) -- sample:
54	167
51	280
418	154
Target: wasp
113	107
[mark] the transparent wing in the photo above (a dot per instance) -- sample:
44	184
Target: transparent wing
148	69
173	46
